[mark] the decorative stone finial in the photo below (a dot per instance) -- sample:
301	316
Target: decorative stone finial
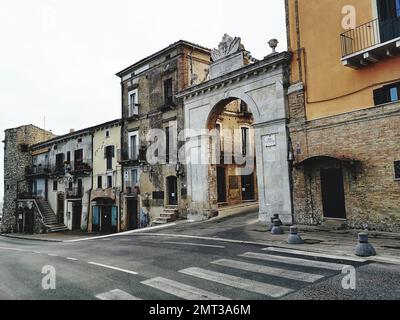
273	43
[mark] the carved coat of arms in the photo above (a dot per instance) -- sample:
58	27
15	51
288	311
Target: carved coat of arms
227	47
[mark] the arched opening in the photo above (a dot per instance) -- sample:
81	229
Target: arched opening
232	164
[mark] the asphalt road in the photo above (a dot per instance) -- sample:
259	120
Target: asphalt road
150	267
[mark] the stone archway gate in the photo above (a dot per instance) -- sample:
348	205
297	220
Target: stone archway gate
262	86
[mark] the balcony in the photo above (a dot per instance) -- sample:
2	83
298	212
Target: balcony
131	112
81	167
74	193
370	42
37	170
131	155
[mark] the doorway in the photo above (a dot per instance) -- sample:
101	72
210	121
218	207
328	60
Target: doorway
60	208
333	198
221	184
132	206
172	185
248	187
76	215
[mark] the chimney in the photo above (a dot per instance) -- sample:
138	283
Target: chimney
71	130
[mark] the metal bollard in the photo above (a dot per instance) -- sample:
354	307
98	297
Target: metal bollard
276	217
364	248
294	237
277	229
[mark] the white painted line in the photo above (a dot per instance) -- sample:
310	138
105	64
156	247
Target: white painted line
237	282
295	261
182	290
123	233
116	295
314	254
195	244
52	255
13	249
276	272
112	268
72	259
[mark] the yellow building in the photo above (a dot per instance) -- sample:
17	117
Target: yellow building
344	111
106	185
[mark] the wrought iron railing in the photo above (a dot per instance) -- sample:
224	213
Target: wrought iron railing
369	34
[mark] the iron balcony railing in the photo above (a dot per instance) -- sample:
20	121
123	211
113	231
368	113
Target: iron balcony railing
369	35
38	170
131	154
74	193
131	111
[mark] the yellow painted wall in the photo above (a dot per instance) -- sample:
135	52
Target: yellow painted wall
100	142
332	88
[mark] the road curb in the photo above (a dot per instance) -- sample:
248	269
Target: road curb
31	239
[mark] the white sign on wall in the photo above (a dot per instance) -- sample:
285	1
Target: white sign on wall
270	140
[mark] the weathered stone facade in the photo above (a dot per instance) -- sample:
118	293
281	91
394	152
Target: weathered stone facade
184	64
365	145
16	159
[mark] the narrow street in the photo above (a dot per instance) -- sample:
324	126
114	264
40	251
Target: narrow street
159	267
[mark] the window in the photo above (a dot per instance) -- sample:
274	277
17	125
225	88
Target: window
168	92
398	8
55	185
24	148
397	170
133	104
133	147
69	156
107	133
386	94
109	182
245	140
60	161
109	155
388	9
243	107
134	177
78	157
99	182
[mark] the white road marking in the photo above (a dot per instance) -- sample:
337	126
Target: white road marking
127	233
13	249
283	273
195	244
182	290
112	268
314	254
116	295
52	255
72	259
237	282
295	261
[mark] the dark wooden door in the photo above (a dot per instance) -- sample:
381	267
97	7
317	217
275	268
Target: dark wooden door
172	191
60	207
333	197
106	222
221	184
132	206
76	215
248	187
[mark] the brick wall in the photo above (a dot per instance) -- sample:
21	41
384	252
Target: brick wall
370	136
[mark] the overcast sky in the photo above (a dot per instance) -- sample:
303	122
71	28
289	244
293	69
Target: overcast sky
58	58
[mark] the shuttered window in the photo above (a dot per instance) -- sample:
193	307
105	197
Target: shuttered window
386	94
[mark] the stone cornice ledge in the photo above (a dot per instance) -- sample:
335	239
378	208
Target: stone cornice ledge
238	75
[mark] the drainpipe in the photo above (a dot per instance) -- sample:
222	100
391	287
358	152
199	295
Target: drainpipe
121	198
91	187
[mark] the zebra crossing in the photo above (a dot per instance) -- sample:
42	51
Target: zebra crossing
272	275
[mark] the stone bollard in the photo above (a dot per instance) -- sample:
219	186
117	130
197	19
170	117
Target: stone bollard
364	248
294	237
277	229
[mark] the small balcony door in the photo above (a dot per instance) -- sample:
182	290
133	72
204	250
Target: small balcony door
389	19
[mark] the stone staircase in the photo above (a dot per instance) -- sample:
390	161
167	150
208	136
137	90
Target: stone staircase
169	215
49	217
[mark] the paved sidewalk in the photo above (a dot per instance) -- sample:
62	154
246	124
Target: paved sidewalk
53	237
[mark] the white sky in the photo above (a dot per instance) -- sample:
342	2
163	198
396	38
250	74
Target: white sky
58	58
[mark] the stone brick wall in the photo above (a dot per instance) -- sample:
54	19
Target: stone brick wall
370	136
16	159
